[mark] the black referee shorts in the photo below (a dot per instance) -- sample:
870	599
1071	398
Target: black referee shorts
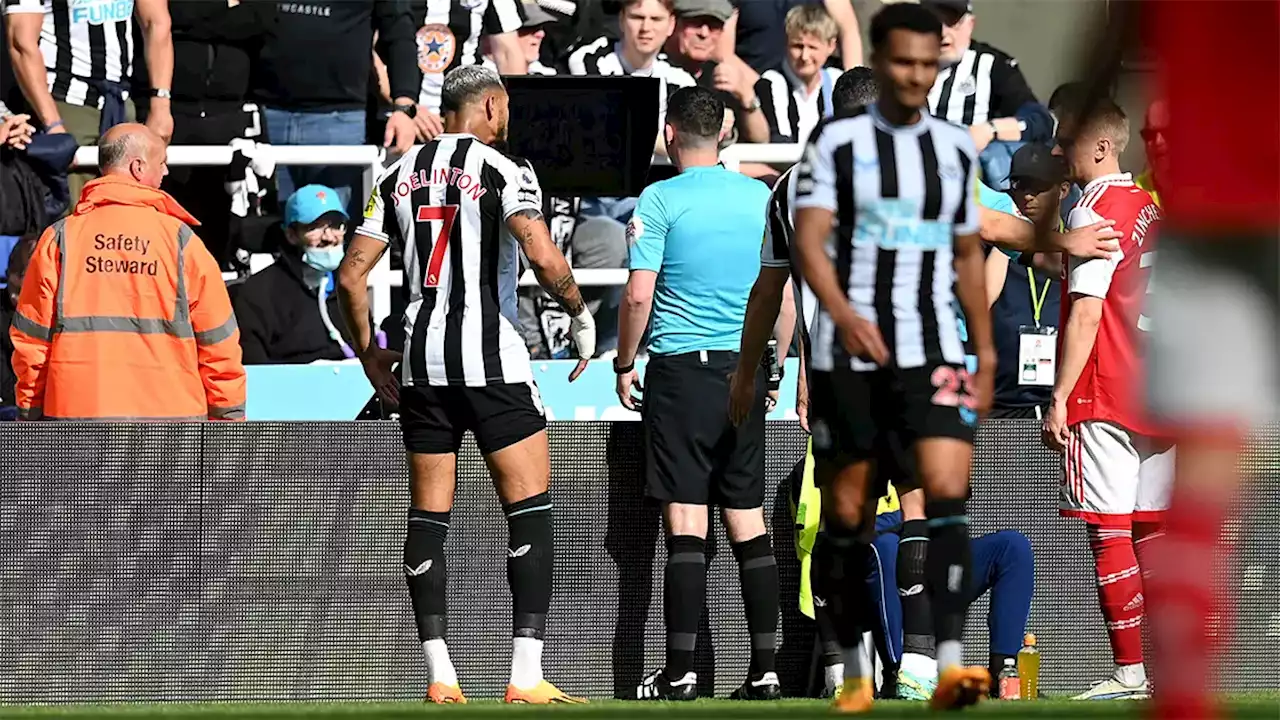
693	453
880	414
433	418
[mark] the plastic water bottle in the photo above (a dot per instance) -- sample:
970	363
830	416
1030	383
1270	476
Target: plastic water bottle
1010	684
1029	667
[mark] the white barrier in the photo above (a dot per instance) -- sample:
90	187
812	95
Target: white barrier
373	160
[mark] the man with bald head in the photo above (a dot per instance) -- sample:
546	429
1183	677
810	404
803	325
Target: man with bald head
123	313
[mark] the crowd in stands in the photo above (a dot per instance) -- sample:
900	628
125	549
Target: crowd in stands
357	72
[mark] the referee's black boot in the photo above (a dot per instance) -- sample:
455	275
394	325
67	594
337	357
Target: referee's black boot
765	687
656	686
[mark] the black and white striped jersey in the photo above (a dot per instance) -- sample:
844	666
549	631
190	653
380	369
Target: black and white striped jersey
446	203
985	84
899	195
789	107
84	42
779	230
604	57
449	36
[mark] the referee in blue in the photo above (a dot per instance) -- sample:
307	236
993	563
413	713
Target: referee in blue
694	253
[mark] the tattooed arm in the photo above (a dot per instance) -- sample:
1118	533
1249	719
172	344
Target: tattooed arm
353	288
549	265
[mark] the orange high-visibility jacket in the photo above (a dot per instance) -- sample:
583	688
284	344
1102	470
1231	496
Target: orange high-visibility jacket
124	316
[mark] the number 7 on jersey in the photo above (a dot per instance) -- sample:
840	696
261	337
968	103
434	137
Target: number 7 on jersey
447	214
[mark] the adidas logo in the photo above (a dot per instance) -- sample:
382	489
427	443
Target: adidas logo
518	552
420	570
913	590
1135	603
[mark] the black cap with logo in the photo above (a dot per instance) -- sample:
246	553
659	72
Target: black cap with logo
1035	166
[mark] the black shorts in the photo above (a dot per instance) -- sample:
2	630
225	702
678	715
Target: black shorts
880	414
433	418
693	454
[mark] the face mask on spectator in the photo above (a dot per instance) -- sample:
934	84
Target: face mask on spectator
324	259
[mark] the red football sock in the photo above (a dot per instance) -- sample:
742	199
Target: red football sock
1119	589
1145	537
1182	595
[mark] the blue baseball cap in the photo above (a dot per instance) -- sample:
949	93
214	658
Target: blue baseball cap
308	203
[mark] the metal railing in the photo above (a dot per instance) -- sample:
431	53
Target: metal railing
373	160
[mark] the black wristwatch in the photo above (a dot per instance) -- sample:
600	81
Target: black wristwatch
623	369
409	109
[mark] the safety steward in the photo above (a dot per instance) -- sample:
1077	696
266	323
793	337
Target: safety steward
123	313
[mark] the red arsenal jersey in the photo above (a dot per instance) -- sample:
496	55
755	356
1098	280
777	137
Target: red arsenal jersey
1219	71
1109	387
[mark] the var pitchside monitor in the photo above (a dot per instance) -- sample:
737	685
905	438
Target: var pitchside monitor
586	136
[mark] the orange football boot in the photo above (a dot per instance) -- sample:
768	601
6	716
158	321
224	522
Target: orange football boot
442	694
959	687
856	696
544	693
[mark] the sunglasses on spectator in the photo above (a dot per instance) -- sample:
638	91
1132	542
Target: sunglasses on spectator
1149	133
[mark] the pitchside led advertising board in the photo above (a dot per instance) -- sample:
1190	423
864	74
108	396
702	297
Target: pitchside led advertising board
338	391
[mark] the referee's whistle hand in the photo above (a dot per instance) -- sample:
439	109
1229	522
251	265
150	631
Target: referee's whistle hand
626	381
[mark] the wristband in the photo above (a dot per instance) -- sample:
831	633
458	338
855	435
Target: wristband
623	369
52	125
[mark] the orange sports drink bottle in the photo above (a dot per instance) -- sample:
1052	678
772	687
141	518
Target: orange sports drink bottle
1029	668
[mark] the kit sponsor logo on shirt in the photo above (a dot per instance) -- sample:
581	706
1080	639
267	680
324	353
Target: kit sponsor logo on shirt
100	12
436	47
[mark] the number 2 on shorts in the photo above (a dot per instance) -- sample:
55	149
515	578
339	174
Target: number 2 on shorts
952	387
447	213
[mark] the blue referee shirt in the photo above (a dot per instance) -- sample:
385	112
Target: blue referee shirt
701	232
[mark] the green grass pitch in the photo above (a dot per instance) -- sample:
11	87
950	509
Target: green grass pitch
1260	705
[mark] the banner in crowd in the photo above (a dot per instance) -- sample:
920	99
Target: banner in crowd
338	391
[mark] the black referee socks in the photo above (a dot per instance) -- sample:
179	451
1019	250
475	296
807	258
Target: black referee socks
917	620
684	593
839	583
758	575
947	567
424	571
529	557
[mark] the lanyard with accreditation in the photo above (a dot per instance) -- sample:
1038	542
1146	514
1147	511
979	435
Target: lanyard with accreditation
1037	345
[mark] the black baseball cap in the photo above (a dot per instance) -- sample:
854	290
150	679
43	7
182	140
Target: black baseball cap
959	7
1037	166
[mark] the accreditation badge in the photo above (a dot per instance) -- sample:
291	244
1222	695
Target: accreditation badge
1037	355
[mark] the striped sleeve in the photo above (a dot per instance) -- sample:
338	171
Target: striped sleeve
520	188
816	173
776	251
967	218
503	16
775	103
379	223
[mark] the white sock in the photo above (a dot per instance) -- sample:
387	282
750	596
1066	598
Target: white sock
1131	675
950	653
857	665
833	675
439	666
922	666
526	662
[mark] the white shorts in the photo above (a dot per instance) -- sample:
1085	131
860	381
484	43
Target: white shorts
1112	474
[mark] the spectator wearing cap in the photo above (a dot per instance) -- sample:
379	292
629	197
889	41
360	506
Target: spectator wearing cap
1024	312
755	32
696	48
287	312
982	88
798	93
531	34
